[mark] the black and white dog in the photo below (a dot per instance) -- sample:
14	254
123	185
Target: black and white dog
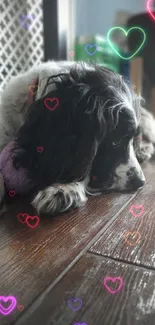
90	140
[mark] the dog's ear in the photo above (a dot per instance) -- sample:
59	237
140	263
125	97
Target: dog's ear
60	144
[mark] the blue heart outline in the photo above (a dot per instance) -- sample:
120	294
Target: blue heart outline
30	17
91	45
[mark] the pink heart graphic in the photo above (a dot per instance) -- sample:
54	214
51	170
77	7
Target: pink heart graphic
50	101
149	9
134	209
72	53
40	149
30	223
8	310
12	193
22	217
110	279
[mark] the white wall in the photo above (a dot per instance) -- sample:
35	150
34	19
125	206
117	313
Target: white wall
97	16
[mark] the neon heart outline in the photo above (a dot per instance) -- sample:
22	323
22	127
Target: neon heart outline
28	17
149	9
32	217
32	86
22	214
80	324
126	33
74	300
12	195
7	311
51	100
90	46
137	215
109	278
40	151
127	240
72	53
20	307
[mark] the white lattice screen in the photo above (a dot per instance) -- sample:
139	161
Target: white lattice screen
20	47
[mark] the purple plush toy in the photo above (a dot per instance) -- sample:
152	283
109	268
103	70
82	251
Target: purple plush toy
14	180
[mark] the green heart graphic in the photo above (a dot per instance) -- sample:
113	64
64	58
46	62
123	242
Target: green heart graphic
126	33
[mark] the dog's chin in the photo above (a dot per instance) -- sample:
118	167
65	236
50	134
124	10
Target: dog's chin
105	188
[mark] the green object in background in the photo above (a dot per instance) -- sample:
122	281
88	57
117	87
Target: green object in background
96	49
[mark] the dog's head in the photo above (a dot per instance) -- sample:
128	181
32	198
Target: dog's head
89	134
115	165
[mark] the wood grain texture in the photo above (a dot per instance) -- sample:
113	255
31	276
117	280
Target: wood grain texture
33	260
131	238
134	304
30	259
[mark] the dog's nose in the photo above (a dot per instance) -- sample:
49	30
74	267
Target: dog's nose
136	178
137	182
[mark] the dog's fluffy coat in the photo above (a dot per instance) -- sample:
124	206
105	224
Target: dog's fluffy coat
92	133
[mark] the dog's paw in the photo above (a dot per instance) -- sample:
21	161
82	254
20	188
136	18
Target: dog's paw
60	198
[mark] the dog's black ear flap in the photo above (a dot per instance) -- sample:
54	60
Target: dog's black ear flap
59	145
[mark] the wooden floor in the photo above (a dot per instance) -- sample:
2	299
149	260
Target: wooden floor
93	266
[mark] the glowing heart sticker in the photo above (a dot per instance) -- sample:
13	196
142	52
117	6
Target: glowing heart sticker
40	149
108	281
31	221
136	210
89	47
33	89
20	307
27	20
12	193
75	304
51	103
12	304
149	2
132	237
126	33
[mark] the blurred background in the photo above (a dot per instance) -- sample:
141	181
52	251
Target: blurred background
33	31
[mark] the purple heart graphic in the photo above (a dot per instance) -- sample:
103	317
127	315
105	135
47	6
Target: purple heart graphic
90	46
80	324
28	18
77	303
8	310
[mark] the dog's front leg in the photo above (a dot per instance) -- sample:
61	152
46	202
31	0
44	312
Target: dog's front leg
59	198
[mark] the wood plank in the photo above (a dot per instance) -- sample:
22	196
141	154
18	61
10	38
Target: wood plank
133	304
131	237
31	259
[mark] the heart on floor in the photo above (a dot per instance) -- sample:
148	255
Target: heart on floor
32	221
136	210
20	307
113	285
75	304
142	35
132	237
11	304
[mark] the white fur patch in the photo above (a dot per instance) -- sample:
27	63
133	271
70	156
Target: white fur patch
50	200
121	178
